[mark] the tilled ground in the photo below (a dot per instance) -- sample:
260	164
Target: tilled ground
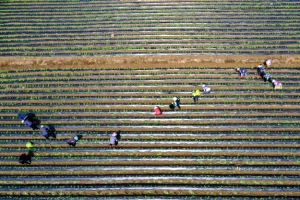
242	140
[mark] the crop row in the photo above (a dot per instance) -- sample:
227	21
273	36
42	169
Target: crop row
183	162
145	42
153	8
150	101
150	73
153	51
146	115
151	47
163	122
151	192
149	25
183	20
144	95
158	34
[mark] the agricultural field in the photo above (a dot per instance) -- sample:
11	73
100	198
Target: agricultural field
240	141
113	27
94	67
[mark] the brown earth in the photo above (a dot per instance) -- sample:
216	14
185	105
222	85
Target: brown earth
124	192
166	137
158	145
157	154
13	63
156	181
147	172
143	115
179	162
157	129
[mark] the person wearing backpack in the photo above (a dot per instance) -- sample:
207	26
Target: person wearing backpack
196	94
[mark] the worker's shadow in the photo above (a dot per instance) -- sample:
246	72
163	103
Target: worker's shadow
118	135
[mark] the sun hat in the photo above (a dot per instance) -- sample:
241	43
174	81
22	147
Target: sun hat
114	134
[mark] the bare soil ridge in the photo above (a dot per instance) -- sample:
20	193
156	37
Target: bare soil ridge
145	61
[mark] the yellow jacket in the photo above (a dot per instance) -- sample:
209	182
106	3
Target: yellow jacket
29	145
196	93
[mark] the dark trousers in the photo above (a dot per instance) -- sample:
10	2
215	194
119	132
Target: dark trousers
195	98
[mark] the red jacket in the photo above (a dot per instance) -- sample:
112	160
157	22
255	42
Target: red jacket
157	110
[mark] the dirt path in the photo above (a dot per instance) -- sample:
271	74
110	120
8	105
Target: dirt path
145	61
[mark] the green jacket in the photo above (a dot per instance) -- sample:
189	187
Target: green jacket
196	93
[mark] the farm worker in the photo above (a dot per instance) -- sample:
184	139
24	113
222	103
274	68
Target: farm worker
268	62
176	102
206	89
47	131
196	94
261	70
268	77
242	71
31	121
113	140
276	84
29	144
72	141
157	110
26	158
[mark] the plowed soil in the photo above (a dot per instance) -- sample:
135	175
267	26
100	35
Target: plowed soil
145	61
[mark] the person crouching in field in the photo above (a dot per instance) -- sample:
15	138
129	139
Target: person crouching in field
242	71
157	111
175	103
31	121
72	141
268	63
268	77
261	71
276	85
26	158
113	140
206	89
196	94
48	131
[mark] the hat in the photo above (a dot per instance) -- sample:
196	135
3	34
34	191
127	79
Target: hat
42	126
203	85
273	80
114	134
76	138
174	98
237	69
155	107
